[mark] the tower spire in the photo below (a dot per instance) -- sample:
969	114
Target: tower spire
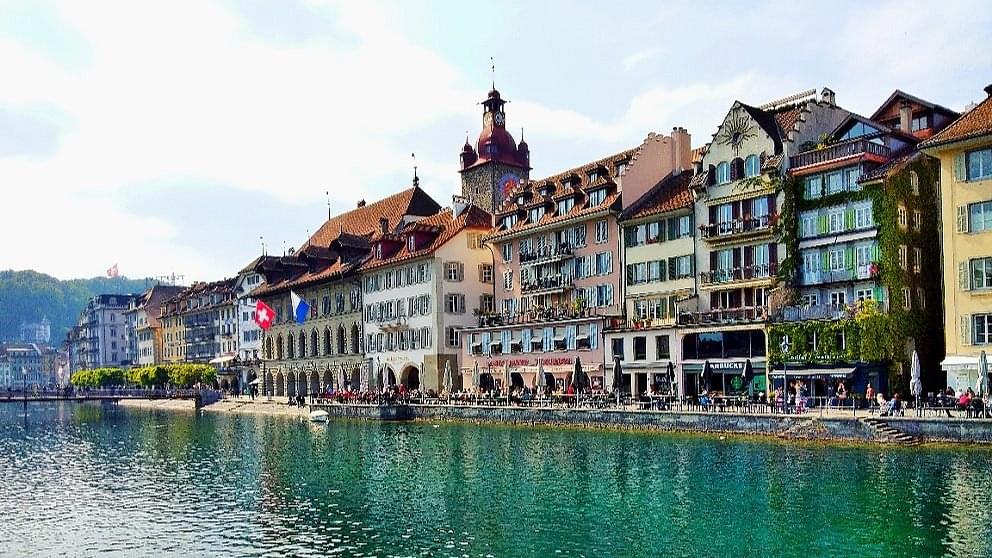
416	181
492	69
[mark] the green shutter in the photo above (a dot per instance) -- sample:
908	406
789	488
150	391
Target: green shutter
822	225
849	258
874	252
824	260
959	168
849	219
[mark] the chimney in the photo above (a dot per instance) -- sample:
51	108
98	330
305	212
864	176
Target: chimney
988	90
681	150
828	96
361	203
383	225
905	117
459	204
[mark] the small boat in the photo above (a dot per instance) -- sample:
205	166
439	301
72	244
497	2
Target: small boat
318	416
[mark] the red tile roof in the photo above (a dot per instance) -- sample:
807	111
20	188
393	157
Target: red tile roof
364	220
669	194
975	123
446	226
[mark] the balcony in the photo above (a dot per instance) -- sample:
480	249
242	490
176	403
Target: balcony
813	312
746	273
556	283
546	254
724	316
389	325
645	323
859	147
859	273
561	312
742	227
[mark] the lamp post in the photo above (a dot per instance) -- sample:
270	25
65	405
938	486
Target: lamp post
785	374
24	388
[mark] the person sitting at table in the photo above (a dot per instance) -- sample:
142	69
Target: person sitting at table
705	400
570	390
964	402
895	405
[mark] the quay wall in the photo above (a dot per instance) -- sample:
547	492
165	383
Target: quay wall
796	427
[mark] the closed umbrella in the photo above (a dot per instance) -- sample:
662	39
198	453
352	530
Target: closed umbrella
915	385
448	383
578	377
506	380
475	377
341	379
540	382
983	378
671	378
617	377
747	375
706	375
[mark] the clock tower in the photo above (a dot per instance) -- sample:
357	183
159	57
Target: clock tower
496	165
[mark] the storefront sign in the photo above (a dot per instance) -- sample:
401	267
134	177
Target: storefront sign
521	362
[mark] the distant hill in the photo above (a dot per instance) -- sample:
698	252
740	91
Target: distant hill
26	296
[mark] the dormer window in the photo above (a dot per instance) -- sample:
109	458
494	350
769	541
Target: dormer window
723	173
509	221
536	214
565	205
920	123
411	243
593	177
752	166
520	199
597	197
378	251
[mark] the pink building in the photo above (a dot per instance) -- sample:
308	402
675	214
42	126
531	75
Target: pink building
557	267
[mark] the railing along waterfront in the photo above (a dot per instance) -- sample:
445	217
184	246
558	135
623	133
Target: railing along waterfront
848	148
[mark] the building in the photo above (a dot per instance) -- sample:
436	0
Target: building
144	331
496	165
37	332
301	358
557	268
738	248
424	282
964	149
657	232
99	338
22	367
864	207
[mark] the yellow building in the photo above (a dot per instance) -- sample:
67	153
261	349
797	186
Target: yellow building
965	152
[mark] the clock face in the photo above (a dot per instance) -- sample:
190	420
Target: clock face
507	183
498	118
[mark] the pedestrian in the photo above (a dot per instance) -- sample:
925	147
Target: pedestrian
869	395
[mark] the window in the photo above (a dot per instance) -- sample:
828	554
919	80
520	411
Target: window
914	183
535	214
604	263
919	123
981	273
917	260
597	197
835	183
579	236
921	297
662	346
838	299
836	221
902	217
640	348
486	273
836	259
602	232
851	177
723	173
902	256
617	348
454	303
864	294
907	302
979	164
683	226
487	303
725	218
809	228
411	243
565	205
814	187
752	166
759	207
980	217
593	177
683	267
508	281
917	219
509	221
453	271
982	326
507	250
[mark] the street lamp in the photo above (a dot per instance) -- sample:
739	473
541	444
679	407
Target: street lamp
785	374
24	388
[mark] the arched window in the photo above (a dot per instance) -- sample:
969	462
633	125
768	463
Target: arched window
279	352
752	166
723	173
303	344
314	343
914	183
356	338
290	346
737	169
327	341
341	347
268	348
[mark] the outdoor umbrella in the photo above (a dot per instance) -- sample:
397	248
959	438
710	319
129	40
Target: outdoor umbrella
475	376
577	375
983	378
671	378
341	377
506	380
705	377
747	375
915	385
540	381
617	377
384	378
448	383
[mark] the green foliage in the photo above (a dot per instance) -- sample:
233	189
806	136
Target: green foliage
788	229
867	333
28	296
179	375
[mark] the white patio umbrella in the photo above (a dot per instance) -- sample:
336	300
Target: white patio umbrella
475	376
506	378
983	379
448	381
915	385
540	381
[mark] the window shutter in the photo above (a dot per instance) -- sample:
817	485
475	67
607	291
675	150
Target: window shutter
461	304
822	224
593	336
962	218
773	253
966	330
959	168
713	259
711	176
671	268
849	219
964	278
824	260
673	232
849	258
461	271
771	205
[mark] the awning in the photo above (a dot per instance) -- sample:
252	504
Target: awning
223	359
817	372
958	361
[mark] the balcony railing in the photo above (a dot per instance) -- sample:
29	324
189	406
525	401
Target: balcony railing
546	254
813	312
849	148
538	315
738	227
546	284
860	272
745	273
745	314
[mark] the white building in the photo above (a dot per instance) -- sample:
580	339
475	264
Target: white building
425	281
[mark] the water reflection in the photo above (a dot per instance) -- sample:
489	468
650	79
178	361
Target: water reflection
83	479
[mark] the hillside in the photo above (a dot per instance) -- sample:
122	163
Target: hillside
26	296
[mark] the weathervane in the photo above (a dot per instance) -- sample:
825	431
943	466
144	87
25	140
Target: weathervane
416	181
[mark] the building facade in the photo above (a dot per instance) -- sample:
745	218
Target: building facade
100	336
738	248
39	332
23	368
144	327
964	149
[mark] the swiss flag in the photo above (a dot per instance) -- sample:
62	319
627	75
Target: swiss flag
264	314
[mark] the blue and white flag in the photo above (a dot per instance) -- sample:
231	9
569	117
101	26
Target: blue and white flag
300	307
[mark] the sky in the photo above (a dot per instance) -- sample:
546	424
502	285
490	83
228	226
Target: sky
176	137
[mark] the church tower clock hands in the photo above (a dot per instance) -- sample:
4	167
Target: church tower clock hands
493	168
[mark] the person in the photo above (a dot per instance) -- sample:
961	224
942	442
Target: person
883	405
964	402
841	393
895	406
869	395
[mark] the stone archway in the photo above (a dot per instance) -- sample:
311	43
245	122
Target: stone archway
355	379
390	377
410	377
291	384
267	384
301	387
516	380
280	387
328	379
315	387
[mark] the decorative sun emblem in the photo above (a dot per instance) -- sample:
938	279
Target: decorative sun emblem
736	131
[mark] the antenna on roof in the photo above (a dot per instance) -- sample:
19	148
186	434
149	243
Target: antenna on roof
284	248
493	70
416	181
262	240
327	194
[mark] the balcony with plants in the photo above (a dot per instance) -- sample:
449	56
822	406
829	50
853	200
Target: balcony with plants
823	153
738	274
739	228
724	316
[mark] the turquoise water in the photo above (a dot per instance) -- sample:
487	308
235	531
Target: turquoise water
79	480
